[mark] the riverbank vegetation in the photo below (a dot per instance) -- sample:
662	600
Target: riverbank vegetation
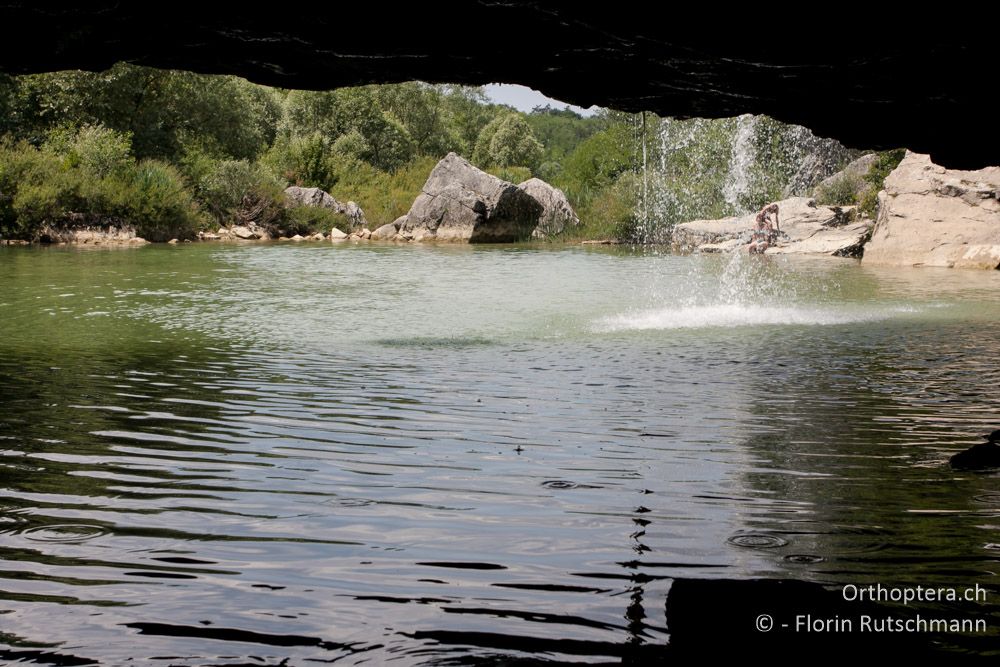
171	153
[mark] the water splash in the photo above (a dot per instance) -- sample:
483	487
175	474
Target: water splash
730	316
749	291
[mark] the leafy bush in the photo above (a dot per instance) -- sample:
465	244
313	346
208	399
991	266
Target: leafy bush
154	198
93	148
39	187
597	163
236	191
22	165
841	191
306	160
609	213
351	146
886	162
382	195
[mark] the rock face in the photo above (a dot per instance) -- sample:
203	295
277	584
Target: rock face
924	90
931	216
805	229
297	196
557	214
462	203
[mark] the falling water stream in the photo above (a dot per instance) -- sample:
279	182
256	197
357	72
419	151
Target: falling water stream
699	169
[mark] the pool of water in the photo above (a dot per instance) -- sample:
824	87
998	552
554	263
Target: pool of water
364	454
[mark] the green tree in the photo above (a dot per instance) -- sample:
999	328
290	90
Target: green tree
561	131
507	141
600	160
420	107
335	113
163	110
8	95
467	111
308	112
95	149
303	160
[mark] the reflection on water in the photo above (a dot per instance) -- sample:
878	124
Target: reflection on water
241	454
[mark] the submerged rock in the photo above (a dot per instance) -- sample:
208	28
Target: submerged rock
932	216
979	457
297	196
557	214
460	202
806	228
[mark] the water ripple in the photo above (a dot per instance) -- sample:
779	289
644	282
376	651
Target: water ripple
431	454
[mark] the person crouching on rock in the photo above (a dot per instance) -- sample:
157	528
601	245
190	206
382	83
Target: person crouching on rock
764	233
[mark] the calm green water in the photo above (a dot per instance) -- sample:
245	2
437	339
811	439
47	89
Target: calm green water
224	454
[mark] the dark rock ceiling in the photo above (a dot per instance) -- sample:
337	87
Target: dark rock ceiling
844	72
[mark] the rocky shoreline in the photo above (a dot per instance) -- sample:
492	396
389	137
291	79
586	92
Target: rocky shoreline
927	216
458	203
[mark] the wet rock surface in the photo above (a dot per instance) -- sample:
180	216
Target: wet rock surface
805	228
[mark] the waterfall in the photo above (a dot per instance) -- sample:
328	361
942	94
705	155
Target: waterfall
742	158
709	169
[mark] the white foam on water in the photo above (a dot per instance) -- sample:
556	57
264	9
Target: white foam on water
729	315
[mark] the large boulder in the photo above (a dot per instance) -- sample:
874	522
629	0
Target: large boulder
462	203
298	196
806	228
932	216
557	214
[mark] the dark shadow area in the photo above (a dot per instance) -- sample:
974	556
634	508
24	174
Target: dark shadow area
722	617
921	87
